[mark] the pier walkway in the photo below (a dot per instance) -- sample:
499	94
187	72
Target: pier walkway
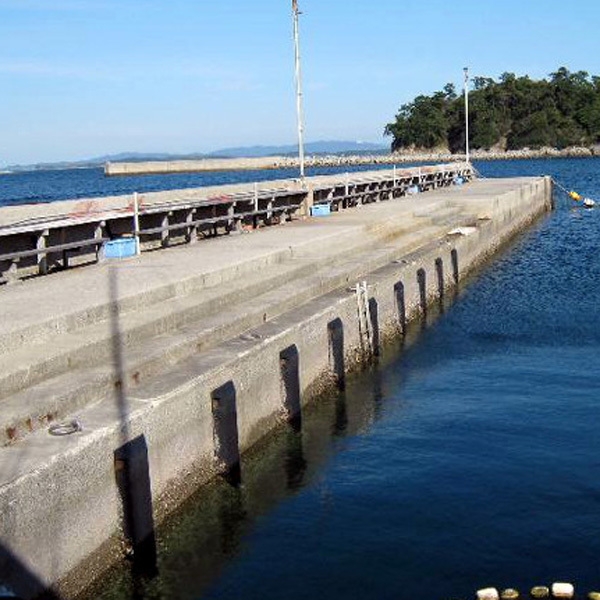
148	347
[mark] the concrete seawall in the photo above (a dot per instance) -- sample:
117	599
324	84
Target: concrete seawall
202	352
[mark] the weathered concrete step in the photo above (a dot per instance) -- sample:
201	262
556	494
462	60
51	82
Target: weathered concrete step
30	365
102	397
98	307
132	365
95	303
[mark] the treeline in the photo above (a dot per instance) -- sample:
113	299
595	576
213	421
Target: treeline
509	114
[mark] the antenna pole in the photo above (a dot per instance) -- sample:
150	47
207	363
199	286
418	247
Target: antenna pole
466	70
298	72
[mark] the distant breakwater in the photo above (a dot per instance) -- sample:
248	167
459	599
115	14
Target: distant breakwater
289	162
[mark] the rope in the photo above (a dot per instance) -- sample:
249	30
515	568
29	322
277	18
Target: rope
477	172
587	202
559	186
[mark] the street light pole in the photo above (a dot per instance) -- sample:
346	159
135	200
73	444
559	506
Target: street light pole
299	109
466	70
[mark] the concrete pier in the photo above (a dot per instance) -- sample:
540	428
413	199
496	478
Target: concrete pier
175	363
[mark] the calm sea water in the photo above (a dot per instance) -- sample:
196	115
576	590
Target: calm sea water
35	187
467	458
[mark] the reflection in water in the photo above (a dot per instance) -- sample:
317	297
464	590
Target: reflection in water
295	463
340	423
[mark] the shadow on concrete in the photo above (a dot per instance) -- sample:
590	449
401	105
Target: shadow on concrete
225	432
132	473
374	316
335	331
400	306
289	362
455	268
18	582
422	283
131	466
439	271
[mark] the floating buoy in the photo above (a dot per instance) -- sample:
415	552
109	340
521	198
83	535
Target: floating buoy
587	202
509	594
539	591
488	594
594	596
562	590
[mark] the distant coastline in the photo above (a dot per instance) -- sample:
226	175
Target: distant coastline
177	165
333	160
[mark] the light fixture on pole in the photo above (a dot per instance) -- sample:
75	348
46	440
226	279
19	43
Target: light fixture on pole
299	109
466	70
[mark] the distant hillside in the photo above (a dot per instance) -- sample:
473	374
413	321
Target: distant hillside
325	147
331	147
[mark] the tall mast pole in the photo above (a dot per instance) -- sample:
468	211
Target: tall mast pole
299	110
466	70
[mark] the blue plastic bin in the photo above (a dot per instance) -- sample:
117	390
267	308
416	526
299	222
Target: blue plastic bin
320	210
120	248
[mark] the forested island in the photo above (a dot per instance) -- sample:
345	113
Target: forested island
510	114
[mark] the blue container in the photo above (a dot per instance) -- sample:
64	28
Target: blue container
120	248
320	210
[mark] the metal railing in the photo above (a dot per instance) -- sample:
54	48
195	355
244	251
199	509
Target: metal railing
39	244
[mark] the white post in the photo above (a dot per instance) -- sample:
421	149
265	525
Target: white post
298	72
466	70
136	222
394	176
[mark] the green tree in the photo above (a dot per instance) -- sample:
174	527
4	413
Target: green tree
513	112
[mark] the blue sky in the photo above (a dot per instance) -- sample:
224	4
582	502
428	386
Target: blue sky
82	78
